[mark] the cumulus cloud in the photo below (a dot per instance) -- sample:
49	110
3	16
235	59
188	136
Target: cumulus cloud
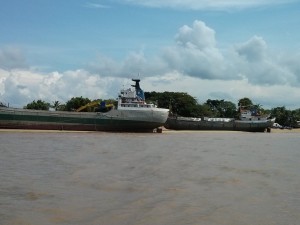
260	66
135	63
193	64
19	87
195	53
205	4
253	50
199	36
290	63
105	66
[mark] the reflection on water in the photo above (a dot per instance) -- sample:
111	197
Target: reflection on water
171	178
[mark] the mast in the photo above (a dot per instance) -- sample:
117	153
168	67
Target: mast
138	90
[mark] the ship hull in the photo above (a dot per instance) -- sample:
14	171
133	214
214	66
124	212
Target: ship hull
230	125
133	120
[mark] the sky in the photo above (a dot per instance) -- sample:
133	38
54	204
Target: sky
54	50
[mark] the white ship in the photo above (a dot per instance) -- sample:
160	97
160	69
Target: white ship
132	113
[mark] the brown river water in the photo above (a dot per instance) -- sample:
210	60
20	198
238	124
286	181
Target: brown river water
173	178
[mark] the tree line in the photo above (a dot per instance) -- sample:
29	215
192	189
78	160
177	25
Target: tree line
182	104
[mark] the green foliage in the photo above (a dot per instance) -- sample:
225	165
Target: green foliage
38	105
178	102
201	110
75	103
296	114
61	107
56	105
183	104
221	108
111	101
245	103
286	117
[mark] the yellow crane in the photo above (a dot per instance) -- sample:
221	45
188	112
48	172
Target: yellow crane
91	104
94	104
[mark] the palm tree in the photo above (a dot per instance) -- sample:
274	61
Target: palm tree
56	105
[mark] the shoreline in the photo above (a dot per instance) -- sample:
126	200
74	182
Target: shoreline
164	130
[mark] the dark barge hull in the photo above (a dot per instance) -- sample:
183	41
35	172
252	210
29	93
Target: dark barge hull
74	121
129	126
233	125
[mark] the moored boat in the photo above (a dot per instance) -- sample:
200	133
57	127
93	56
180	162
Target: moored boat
132	113
249	121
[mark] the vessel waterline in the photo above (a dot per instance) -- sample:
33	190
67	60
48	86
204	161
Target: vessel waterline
132	113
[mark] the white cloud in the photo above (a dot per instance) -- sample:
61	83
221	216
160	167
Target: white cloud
205	4
195	53
19	87
290	63
194	64
260	66
199	36
133	64
18	90
253	50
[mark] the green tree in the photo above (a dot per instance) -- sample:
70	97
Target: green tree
38	105
228	109
286	117
56	105
179	103
214	106
76	102
281	115
61	107
201	110
183	104
296	114
245	103
221	108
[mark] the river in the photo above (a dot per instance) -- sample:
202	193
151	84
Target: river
173	178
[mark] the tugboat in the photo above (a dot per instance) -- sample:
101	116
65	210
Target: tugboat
132	114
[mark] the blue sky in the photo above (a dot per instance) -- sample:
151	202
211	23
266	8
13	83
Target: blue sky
55	50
